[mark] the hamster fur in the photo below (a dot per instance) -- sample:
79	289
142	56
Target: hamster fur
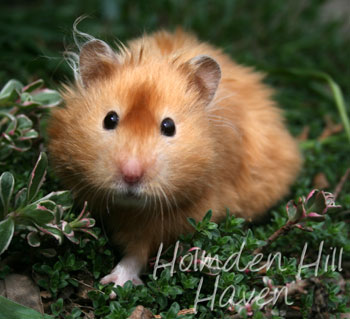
230	148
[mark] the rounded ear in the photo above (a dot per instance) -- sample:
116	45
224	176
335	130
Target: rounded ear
206	76
96	61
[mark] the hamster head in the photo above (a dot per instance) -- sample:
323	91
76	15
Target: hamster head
135	128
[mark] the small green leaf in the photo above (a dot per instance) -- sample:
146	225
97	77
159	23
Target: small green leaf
38	213
11	127
207	216
5	151
33	86
33	239
76	312
24	122
62	198
73	239
10	86
7	183
318	204
83	223
192	222
67	229
291	210
37	177
47	98
7	228
8	98
29	135
10	92
25	97
29	105
212	226
45	204
89	232
173	311
313	216
48	252
58	215
22	146
7	138
8	115
52	231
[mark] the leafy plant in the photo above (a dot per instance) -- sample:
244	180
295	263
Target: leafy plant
312	208
220	270
37	215
19	106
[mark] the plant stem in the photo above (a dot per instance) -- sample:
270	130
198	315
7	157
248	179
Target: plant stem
328	140
340	185
279	232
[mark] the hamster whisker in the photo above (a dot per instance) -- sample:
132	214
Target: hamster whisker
220	118
167	188
105	197
96	192
168	204
216	101
158	199
219	121
145	201
170	208
173	206
102	220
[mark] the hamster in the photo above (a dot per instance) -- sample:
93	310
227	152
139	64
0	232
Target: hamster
164	129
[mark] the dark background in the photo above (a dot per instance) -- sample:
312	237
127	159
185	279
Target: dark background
273	36
266	33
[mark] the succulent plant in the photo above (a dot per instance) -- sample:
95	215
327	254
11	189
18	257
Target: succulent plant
312	208
25	212
19	106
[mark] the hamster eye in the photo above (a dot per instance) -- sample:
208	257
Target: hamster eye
167	127
111	120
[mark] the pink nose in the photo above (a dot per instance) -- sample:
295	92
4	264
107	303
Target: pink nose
132	171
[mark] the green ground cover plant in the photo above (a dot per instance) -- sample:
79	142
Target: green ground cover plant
229	270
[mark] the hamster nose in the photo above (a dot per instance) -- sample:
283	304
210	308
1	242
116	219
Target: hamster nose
131	171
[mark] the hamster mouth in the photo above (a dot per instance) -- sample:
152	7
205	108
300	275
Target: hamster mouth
135	196
130	197
131	193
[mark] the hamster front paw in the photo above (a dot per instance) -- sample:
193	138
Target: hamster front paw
127	269
119	278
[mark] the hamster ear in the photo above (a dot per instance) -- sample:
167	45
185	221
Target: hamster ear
206	76
96	61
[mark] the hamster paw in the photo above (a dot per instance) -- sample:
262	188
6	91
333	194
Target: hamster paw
120	280
119	276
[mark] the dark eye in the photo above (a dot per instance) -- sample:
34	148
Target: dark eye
111	120
168	127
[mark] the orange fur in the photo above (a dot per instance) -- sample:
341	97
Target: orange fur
233	153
